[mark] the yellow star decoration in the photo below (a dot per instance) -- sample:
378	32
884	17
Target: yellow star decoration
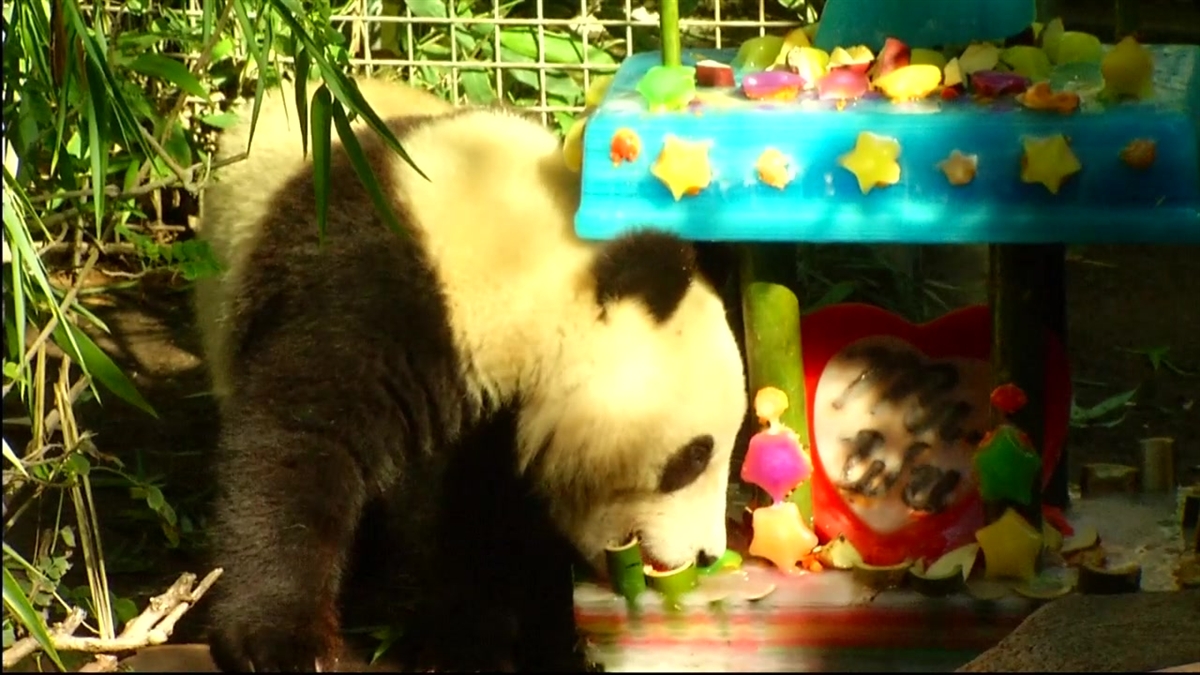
1011	547
781	536
1048	161
683	166
873	161
959	168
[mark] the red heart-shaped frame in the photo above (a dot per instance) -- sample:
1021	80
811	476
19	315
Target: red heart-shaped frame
964	333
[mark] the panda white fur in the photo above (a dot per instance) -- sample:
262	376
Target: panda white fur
444	422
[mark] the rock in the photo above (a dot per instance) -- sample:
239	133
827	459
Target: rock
1128	633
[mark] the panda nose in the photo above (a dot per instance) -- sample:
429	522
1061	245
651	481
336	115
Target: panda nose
704	559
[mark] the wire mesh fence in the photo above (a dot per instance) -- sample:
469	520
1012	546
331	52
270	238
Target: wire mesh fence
538	54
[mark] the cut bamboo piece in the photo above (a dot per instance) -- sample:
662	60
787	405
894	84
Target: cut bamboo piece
1103	479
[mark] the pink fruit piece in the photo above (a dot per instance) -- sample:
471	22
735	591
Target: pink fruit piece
775	462
990	83
895	54
772	84
843	83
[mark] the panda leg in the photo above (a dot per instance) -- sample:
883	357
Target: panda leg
283	529
548	640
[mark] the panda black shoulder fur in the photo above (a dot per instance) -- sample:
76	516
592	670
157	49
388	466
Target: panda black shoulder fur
444	422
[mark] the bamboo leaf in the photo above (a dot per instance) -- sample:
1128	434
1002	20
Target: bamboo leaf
170	70
220	120
60	117
435	9
207	20
836	293
362	167
14	460
97	143
33	29
322	142
1110	404
302	64
250	38
18	604
556	48
18	235
96	57
343	88
97	364
19	291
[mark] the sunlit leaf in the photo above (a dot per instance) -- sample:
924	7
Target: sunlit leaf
14	460
19	606
478	87
220	120
222	50
428	9
556	48
170	70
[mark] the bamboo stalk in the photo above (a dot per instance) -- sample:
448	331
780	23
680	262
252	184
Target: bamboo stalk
771	317
668	29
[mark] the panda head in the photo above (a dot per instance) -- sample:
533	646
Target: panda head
633	424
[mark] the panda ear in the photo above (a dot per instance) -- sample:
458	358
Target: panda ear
653	268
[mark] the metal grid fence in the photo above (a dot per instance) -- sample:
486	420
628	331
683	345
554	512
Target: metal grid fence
480	50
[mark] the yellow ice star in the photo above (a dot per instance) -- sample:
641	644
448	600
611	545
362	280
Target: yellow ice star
1011	547
781	536
873	161
1048	161
683	166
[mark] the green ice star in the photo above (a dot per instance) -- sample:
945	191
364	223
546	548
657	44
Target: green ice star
1006	466
668	87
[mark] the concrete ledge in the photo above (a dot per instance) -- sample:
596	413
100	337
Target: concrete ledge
1086	633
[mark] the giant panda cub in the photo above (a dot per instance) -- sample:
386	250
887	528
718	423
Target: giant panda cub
430	429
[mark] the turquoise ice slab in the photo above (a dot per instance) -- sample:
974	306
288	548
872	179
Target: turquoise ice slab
921	23
1106	202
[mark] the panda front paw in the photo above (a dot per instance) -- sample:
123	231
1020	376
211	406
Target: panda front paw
281	644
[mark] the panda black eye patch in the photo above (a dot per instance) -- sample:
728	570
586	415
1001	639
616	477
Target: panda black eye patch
686	465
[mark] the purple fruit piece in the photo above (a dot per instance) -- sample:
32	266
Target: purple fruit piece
843	83
775	463
775	84
990	83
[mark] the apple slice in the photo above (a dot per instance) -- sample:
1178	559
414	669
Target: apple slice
711	73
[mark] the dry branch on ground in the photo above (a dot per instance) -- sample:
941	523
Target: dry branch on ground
152	627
